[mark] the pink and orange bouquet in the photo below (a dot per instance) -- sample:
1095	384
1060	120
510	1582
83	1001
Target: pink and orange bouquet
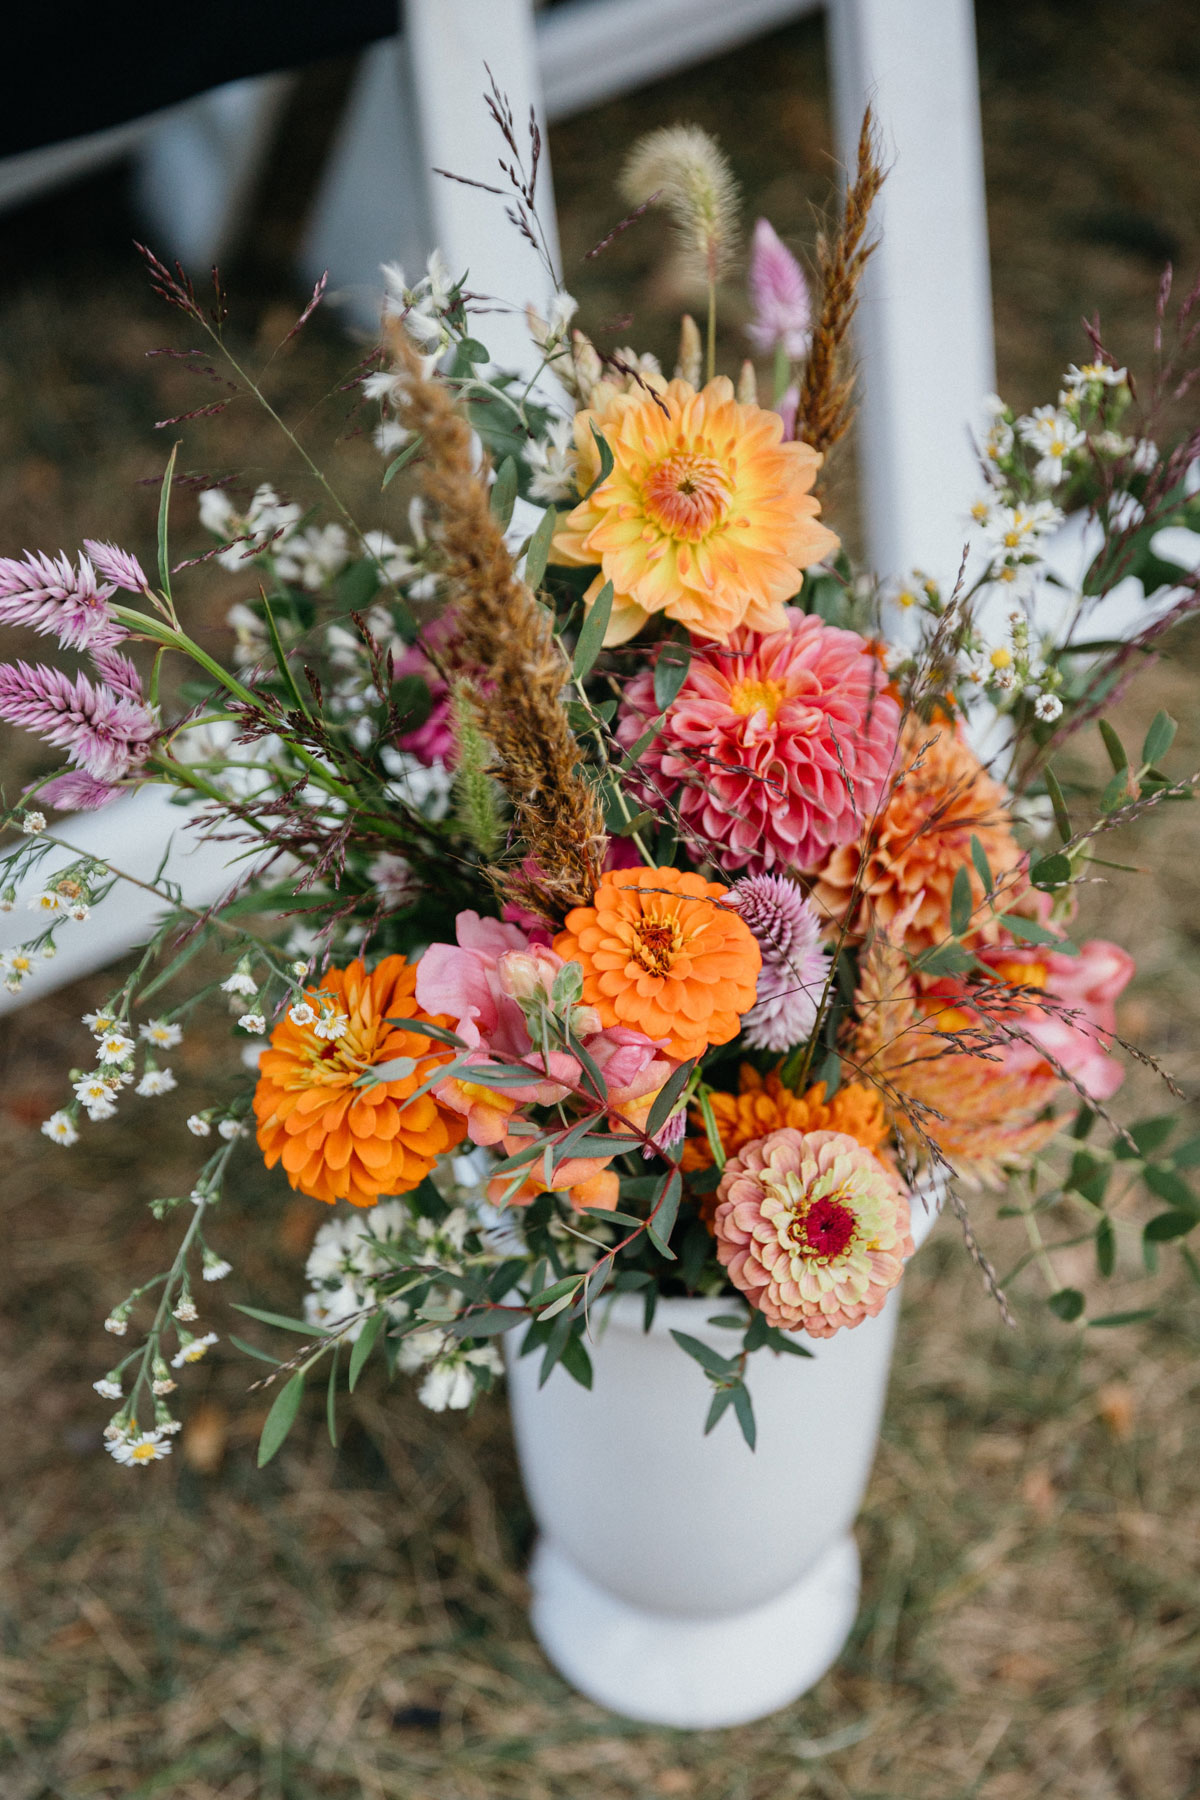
632	897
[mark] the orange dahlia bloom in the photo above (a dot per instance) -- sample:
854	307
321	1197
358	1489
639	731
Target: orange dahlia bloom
984	1105
336	1140
706	516
763	1104
941	797
659	956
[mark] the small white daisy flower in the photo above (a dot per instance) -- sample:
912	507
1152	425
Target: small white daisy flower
1048	707
80	911
109	1387
117	1323
48	901
193	1350
331	1026
302	1013
242	983
32	823
186	1312
156	1081
134	1451
60	1130
162	1034
253	1022
115	1047
215	1267
100	1110
198	1125
100	1023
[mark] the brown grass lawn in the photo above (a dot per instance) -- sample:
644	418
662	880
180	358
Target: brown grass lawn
351	1625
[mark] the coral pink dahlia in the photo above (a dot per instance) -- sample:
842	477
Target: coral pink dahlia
777	747
813	1229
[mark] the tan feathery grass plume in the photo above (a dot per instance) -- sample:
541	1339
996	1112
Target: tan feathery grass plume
686	172
504	631
826	407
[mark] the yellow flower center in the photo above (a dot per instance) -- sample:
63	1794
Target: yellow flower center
1001	658
655	943
143	1452
687	495
748	697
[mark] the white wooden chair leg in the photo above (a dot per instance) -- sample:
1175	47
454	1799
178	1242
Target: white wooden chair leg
418	104
196	167
925	321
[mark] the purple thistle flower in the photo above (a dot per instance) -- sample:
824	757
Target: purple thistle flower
779	295
118	566
795	962
105	733
76	791
58	600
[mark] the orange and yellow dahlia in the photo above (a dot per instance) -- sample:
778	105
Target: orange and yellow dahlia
762	1105
940	799
706	516
660	954
335	1139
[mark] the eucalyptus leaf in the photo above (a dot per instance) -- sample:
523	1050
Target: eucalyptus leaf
591	633
538	553
280	1419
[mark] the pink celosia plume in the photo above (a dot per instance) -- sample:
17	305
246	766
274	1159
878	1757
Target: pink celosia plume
795	961
779	295
76	791
58	600
777	747
105	733
119	566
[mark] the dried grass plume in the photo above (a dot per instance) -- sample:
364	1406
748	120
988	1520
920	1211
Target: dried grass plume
686	172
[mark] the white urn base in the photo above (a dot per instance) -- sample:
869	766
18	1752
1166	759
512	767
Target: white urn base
694	1673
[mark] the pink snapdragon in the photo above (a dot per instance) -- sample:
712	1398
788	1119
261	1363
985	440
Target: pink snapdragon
107	732
779	295
58	600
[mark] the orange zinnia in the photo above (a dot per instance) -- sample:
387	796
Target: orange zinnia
706	516
336	1140
658	955
762	1106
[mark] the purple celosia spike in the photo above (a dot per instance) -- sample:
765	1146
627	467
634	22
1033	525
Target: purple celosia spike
795	962
118	566
77	791
58	600
119	673
787	407
779	295
104	733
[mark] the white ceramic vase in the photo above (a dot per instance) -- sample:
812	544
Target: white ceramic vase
684	1579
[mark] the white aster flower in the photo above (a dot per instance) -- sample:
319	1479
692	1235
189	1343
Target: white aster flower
301	1013
48	901
163	1385
215	1267
109	1387
115	1047
1145	455
1055	436
60	1130
80	910
135	1451
155	1081
193	1349
1092	375
330	1309
32	823
553	461
185	1311
253	1022
117	1323
230	1129
331	1025
99	1023
1048	707
217	512
241	983
198	1125
161	1033
100	1110
93	1090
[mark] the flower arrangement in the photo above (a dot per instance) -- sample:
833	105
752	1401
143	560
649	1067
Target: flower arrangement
636	898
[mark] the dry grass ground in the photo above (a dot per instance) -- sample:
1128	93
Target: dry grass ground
351	1626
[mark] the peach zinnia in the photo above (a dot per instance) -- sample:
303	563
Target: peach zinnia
661	954
337	1140
813	1229
941	798
706	516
